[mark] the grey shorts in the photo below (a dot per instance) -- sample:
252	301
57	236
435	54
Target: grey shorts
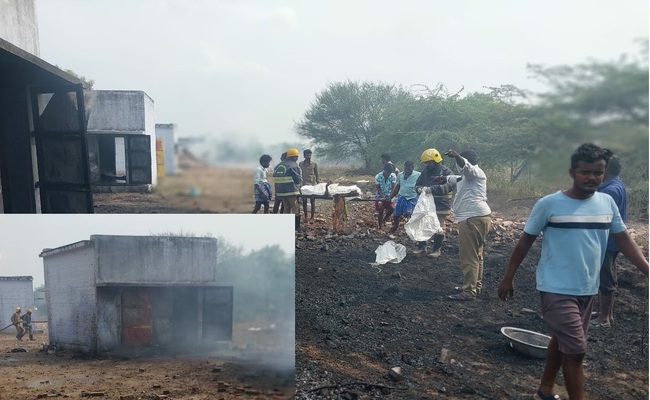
568	319
608	278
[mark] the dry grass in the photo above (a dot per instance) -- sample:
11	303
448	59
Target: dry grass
211	189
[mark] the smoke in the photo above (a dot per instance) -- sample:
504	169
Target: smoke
235	150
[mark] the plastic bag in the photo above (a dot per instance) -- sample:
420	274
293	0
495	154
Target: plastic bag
390	252
424	222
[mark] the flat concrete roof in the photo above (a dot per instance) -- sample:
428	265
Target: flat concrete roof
61	249
19	67
16	278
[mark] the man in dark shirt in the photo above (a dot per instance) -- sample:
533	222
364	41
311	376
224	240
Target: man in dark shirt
433	177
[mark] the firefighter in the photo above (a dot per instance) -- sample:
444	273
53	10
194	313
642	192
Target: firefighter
433	180
287	179
16	320
27	324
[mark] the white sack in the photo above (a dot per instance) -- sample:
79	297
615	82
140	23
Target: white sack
390	252
318	189
423	222
334	188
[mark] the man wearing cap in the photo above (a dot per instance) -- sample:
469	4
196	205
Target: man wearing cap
287	180
433	180
15	319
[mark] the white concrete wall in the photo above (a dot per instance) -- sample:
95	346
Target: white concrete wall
71	296
117	111
155	260
108	318
14	292
150	129
166	133
18	24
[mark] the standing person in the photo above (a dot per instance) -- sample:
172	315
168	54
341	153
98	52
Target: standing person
385	182
472	215
310	176
288	178
434	178
407	196
261	186
27	325
277	204
576	224
385	159
614	187
15	319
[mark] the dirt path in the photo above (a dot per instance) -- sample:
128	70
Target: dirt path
229	374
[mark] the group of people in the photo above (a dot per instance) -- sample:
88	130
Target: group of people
23	323
288	177
584	231
471	212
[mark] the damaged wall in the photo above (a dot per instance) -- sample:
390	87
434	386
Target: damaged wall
71	295
123	291
15	291
155	260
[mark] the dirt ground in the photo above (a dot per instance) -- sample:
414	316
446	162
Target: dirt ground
356	321
243	370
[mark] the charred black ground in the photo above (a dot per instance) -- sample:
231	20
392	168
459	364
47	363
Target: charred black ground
355	322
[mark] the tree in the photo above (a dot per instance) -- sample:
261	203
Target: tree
346	116
88	83
491	123
601	102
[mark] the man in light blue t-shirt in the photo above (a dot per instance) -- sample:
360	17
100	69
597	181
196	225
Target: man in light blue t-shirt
406	194
385	181
576	224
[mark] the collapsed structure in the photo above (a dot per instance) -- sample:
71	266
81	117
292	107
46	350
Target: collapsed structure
115	292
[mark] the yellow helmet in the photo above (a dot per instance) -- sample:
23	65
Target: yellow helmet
293	152
431	155
17	308
29	311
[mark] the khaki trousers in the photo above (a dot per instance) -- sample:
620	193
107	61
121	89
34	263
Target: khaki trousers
471	241
290	205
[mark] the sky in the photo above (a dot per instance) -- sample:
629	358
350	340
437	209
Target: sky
23	237
248	70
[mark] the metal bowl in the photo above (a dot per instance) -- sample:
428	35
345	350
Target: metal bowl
532	344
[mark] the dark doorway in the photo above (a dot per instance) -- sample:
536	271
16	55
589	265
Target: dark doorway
59	128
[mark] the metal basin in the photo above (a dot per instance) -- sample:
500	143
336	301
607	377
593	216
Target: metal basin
532	344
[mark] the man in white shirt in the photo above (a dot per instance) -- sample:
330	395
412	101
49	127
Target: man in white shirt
472	215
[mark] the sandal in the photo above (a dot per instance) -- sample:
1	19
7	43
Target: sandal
540	396
594	323
462	296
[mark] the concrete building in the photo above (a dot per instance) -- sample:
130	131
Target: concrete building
15	291
165	132
121	140
43	151
18	24
120	292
